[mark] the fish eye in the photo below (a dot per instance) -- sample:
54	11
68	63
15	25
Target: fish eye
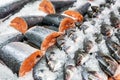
91	53
41	70
52	52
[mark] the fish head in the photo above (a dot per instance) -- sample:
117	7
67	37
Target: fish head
69	72
116	24
80	57
107	64
88	45
115	21
55	62
61	43
114	49
106	30
90	75
71	34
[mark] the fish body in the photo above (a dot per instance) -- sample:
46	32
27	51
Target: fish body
37	34
19	57
80	57
42	72
23	23
56	58
11	37
60	4
12	7
114	48
71	71
107	64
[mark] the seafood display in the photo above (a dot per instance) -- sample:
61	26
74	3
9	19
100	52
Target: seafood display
42	37
54	6
23	23
20	57
10	9
11	37
62	41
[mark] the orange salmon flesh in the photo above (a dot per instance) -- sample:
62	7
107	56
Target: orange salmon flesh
19	24
47	7
29	63
50	40
66	23
78	17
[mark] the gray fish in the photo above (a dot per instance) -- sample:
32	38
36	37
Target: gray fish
19	57
107	64
88	45
117	34
106	30
71	34
42	72
12	8
61	43
94	72
90	75
114	50
115	21
10	37
55	58
80	57
71	72
61	5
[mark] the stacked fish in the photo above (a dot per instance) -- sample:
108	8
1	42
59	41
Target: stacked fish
74	44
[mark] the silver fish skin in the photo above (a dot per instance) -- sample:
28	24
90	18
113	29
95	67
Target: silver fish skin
114	49
55	58
42	72
94	72
107	64
90	75
80	57
71	71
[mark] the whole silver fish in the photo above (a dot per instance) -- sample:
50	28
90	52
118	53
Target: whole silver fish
55	58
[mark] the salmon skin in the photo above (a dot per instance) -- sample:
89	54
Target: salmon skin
53	19
59	21
53	6
32	20
42	37
83	10
37	34
19	57
79	13
61	5
23	23
11	37
12	8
